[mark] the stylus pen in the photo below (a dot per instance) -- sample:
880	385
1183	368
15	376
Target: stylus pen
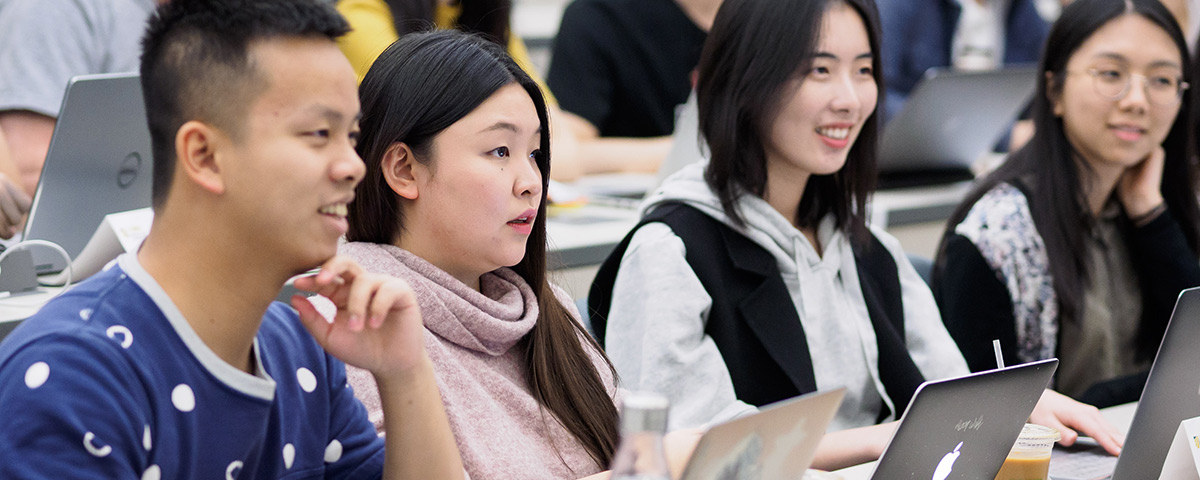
999	356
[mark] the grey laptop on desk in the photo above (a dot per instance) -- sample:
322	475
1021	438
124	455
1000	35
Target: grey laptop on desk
949	121
686	148
99	163
963	428
779	441
1172	395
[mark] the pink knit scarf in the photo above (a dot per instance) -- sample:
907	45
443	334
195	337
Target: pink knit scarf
472	338
490	321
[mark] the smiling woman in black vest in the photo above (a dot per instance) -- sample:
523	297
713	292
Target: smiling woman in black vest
754	277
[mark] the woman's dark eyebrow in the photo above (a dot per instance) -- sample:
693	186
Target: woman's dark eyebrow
509	127
502	126
861	56
1116	57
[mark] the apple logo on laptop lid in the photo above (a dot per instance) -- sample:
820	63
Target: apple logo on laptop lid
943	469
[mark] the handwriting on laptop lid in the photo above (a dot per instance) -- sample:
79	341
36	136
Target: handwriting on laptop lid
964	427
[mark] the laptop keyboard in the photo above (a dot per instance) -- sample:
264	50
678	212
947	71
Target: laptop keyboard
1087	463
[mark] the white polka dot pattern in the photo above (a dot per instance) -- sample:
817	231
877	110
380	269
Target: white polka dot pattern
183	398
126	335
89	443
307	380
333	452
146	438
233	470
37	374
85	314
152	473
289	456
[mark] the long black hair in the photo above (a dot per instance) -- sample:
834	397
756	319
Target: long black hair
1057	201
755	47
489	18
417	88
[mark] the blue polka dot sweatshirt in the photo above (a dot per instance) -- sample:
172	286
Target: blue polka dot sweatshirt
110	381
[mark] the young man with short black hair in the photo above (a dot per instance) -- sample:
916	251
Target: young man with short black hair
174	363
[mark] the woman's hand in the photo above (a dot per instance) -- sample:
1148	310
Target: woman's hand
846	448
14	204
1066	415
377	326
679	447
1140	187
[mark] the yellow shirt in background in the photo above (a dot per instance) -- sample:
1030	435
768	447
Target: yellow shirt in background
373	30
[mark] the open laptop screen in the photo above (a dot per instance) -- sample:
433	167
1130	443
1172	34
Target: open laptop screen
99	163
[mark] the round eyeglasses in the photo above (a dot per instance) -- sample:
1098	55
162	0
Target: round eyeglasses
1160	89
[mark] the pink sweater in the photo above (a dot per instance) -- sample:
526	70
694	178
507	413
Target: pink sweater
472	339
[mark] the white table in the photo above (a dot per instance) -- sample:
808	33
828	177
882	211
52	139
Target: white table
891	208
583	237
16	308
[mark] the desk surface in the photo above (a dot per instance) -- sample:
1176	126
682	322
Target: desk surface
20	307
584	236
577	237
1119	416
904	206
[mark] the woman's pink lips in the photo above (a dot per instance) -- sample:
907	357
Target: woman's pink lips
835	143
524	227
338	222
1127	135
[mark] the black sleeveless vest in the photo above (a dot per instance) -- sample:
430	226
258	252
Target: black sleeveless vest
752	319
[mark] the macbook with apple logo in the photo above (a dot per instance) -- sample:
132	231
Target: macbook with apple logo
963	428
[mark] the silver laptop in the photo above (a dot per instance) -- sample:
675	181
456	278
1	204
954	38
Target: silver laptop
779	441
950	120
963	428
99	163
1172	395
686	148
686	145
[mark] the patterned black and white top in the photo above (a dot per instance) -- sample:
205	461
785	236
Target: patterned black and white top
1001	227
993	281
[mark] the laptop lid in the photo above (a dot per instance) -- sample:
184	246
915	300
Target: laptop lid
777	442
686	148
99	163
1172	394
686	145
964	427
952	118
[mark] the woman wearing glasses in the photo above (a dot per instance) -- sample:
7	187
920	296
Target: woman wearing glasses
1078	246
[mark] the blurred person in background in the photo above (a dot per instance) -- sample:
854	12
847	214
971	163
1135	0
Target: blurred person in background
43	43
963	34
623	67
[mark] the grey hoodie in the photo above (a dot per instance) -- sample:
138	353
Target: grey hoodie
655	334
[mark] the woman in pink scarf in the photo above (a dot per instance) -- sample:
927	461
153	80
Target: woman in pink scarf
456	143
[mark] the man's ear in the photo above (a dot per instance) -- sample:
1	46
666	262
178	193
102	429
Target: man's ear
1054	94
196	155
401	169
